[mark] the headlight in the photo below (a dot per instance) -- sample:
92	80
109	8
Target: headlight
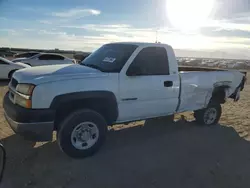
25	89
26	103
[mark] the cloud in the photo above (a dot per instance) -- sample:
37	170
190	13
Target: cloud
28	29
243	17
219	32
71	37
10	31
101	28
76	13
229	9
124	30
51	32
226	25
3	18
45	22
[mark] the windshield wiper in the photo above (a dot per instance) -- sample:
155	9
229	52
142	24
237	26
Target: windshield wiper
93	66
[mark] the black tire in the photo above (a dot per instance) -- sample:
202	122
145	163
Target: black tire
202	116
67	126
11	73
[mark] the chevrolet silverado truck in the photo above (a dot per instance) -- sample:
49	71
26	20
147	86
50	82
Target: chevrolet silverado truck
118	83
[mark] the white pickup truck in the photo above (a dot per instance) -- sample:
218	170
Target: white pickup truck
118	83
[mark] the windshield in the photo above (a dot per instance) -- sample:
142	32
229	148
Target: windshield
110	57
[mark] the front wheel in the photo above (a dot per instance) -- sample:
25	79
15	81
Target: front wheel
82	133
208	116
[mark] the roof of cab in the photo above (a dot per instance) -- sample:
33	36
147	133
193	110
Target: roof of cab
144	44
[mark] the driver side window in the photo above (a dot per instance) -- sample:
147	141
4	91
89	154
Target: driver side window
150	61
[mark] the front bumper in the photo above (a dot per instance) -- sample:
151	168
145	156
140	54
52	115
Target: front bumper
32	124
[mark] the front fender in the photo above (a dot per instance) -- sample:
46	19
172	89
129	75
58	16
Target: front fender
110	102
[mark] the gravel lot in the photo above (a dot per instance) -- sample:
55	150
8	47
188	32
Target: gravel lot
180	154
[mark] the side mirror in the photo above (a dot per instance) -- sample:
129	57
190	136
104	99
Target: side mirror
133	71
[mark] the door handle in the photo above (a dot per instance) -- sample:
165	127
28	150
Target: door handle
168	83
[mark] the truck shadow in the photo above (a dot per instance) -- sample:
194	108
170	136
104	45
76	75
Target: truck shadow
155	155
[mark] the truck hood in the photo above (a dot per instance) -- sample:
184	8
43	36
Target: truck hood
51	73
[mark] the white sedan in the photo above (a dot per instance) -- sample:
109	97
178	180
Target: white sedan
45	59
7	68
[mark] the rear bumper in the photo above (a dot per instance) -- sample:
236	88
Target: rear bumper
35	125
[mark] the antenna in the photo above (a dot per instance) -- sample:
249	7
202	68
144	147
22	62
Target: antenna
156	36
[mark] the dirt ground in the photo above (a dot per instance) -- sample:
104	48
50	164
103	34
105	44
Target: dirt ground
181	154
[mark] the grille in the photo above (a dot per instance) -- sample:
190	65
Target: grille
14	83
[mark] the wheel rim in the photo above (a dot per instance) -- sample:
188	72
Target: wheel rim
210	116
84	135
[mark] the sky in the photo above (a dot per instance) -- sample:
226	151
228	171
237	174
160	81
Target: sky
88	24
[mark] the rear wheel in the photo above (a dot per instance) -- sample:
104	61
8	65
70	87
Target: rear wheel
208	116
82	133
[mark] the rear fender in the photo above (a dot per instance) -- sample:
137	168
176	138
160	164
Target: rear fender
218	93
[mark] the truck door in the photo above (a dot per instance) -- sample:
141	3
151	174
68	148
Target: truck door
147	89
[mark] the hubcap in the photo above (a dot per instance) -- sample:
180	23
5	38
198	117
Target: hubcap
84	135
210	116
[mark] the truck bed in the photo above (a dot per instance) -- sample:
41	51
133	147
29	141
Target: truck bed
204	69
191	68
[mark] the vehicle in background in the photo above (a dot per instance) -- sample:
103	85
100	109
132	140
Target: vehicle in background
7	68
81	56
6	53
118	83
25	54
45	59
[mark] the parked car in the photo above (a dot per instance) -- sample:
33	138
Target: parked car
7	68
81	56
118	83
6	53
45	59
25	54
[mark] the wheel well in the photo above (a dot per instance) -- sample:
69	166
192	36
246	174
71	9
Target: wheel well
219	95
11	72
100	105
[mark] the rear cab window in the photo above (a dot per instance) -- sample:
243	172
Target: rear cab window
151	61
